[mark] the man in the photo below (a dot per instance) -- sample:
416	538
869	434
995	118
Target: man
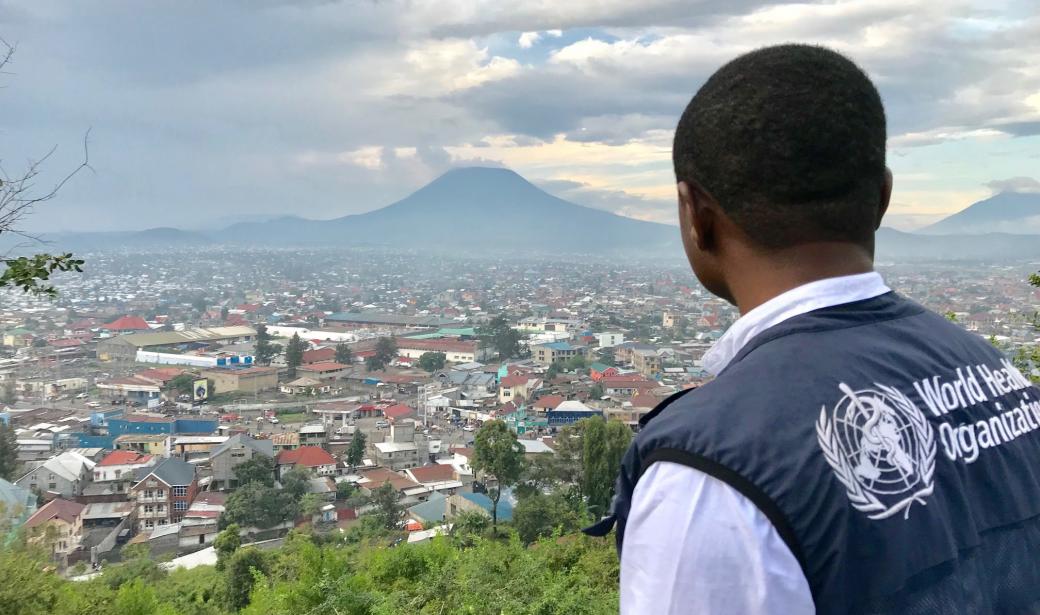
855	453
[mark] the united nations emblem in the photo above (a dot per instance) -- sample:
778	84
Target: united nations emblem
882	448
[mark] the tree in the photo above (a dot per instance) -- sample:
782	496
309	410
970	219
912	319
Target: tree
499	335
604	443
497	452
240	575
468	524
183	384
264	351
356	452
385	353
432	361
255	505
553	371
226	543
258	469
224	311
575	363
596	392
199	304
386	499
343	354
345	490
310	505
8	394
8	452
31	274
539	515
294	354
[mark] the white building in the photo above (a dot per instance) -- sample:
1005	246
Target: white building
609	340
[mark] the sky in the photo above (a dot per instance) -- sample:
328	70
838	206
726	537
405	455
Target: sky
201	114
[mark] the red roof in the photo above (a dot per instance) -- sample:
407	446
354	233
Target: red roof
549	402
515	381
329	366
644	400
319	355
128	323
398	411
433	473
56	509
67	343
307	456
160	374
122	458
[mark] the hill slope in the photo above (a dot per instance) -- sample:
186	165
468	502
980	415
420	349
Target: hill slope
1007	212
472	208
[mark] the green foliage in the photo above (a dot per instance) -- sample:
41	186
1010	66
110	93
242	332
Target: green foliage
596	392
575	363
257	505
8	452
240	576
31	273
226	543
386	351
1034	279
386	499
183	384
432	361
345	490
497	452
554	370
343	354
557	575
263	350
356	452
499	335
539	516
8	395
258	469
294	354
605	443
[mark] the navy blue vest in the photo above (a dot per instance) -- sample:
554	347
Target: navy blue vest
897	455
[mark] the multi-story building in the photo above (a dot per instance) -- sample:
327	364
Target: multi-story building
242	379
399	450
238	449
164	492
63	476
118	469
312	458
646	362
58	524
609	340
547	354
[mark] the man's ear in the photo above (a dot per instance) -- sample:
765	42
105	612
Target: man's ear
697	215
886	196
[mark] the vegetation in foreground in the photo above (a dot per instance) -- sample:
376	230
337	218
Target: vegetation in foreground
359	573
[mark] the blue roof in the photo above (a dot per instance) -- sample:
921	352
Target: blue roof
559	346
505	509
433	509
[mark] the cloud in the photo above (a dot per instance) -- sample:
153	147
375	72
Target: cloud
613	200
1015	184
326	108
528	39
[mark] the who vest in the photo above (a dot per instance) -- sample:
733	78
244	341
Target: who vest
897	456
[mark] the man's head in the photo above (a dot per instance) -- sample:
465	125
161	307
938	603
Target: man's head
781	148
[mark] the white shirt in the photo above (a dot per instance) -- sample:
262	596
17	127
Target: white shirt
694	544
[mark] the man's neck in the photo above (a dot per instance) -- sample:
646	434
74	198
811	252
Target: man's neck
761	277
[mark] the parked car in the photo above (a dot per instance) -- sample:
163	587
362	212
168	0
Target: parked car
382	424
469	428
82	396
274	419
93	404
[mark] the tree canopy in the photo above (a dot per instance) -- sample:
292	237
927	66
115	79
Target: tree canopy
497	452
432	361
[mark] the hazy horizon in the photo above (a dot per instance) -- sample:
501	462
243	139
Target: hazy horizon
325	109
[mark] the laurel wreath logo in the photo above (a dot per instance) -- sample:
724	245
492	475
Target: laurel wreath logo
862	498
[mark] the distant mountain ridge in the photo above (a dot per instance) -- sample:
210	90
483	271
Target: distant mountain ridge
1006	212
494	211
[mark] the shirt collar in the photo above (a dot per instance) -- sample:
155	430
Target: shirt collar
800	300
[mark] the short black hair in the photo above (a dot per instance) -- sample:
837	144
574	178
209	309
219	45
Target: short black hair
790	140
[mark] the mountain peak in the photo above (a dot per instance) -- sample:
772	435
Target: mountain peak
1005	212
